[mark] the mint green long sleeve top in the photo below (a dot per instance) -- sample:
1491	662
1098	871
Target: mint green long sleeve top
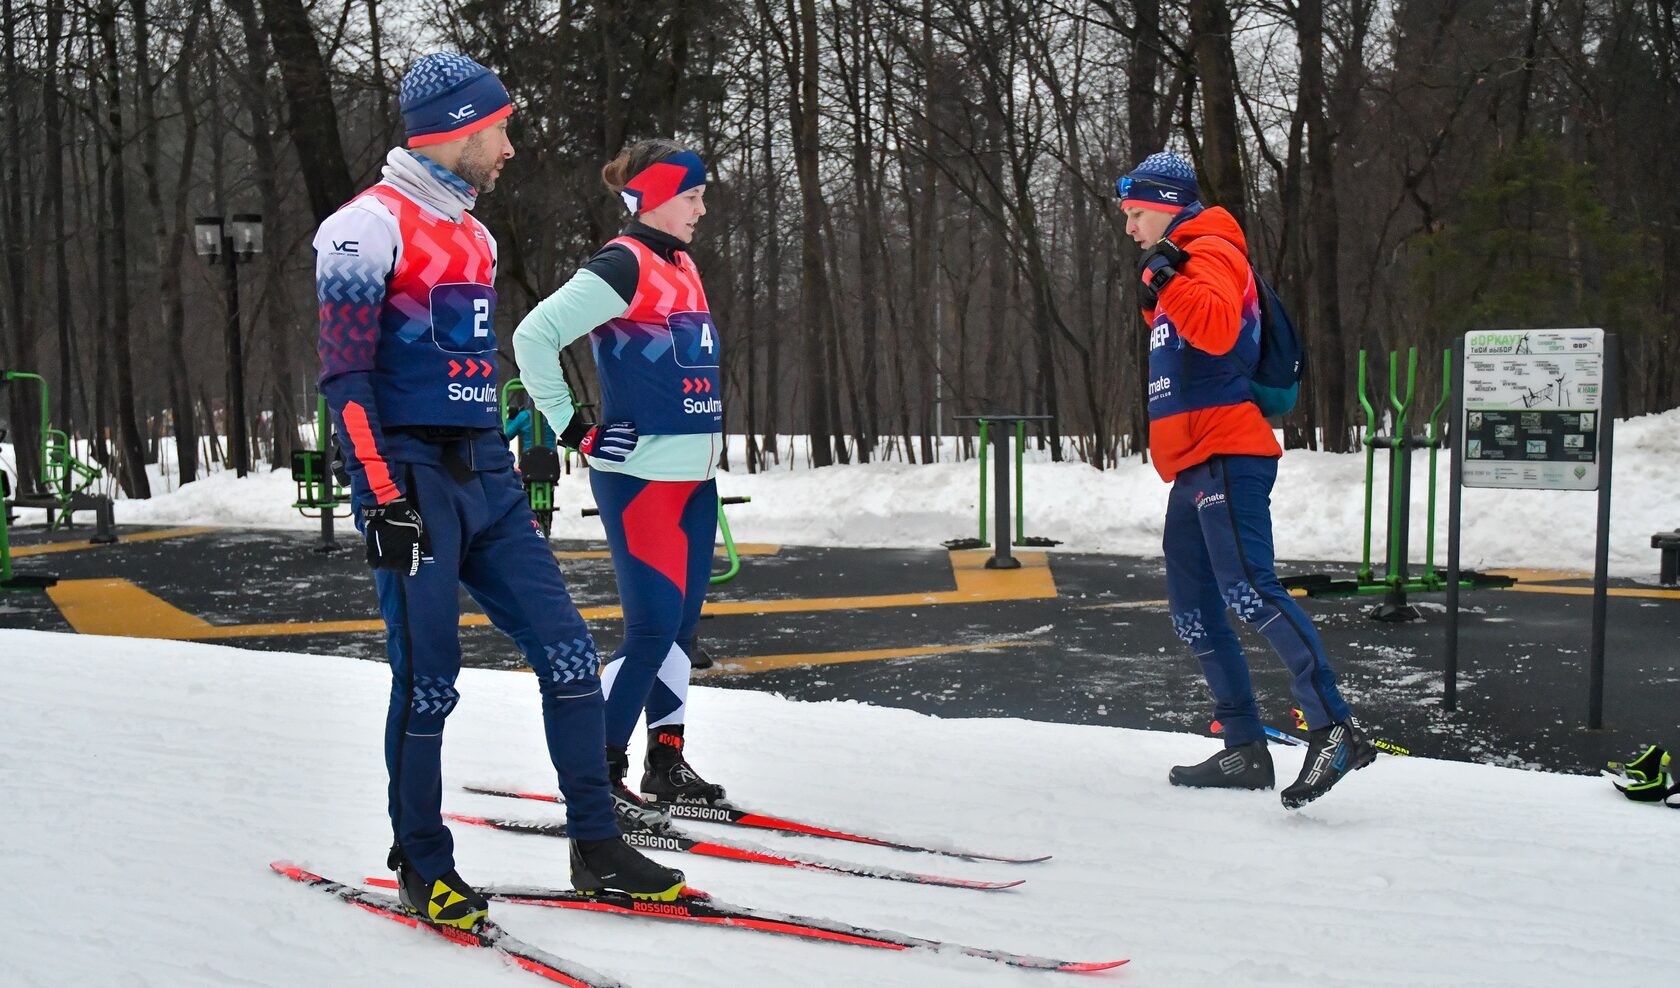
583	303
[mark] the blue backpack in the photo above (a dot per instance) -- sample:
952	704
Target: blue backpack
1276	380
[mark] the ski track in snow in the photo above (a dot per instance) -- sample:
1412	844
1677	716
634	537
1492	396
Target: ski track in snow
148	784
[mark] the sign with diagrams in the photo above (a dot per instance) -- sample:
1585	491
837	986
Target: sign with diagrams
1532	400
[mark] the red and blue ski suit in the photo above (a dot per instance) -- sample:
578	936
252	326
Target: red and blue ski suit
405	275
659	365
1209	440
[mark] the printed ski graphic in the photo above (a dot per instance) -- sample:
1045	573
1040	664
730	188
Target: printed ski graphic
487	935
726	812
673	839
695	906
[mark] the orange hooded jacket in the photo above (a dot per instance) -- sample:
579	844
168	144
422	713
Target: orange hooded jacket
1204	306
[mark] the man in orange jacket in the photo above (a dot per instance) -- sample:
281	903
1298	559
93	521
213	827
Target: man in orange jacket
1209	440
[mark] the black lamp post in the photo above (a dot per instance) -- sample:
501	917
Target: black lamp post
239	239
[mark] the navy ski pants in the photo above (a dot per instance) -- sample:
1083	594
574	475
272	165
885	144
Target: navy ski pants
662	534
1218	547
484	538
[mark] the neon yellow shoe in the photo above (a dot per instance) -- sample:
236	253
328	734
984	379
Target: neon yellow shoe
445	901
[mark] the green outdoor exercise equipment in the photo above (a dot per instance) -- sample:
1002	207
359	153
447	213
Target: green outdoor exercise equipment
1001	558
1397	581
539	463
11	581
64	485
320	494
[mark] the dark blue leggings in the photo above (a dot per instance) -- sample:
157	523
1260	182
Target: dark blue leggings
484	538
1218	547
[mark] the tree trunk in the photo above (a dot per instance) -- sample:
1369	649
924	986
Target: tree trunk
1329	372
55	196
133	459
273	298
19	350
804	107
312	119
1216	68
171	230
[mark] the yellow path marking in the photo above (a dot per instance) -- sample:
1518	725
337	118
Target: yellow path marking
118	607
1534	575
741	549
761	663
1609	592
1139	604
19	552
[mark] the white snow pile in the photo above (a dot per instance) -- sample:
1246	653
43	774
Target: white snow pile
1318	506
147	785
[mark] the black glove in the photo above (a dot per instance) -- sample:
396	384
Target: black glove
396	537
1158	266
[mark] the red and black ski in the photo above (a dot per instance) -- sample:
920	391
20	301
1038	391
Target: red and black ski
487	935
727	812
674	839
695	906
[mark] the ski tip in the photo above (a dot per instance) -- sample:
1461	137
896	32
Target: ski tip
1005	859
476	821
294	872
964	883
1088	967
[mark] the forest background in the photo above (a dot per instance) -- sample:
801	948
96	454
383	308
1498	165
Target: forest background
911	216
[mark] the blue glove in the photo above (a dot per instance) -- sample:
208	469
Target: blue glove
612	443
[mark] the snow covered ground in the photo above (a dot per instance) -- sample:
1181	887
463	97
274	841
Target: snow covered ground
146	786
1318	506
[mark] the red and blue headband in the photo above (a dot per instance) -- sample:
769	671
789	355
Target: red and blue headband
663	181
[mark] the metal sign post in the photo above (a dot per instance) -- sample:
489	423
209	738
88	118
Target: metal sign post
1535	409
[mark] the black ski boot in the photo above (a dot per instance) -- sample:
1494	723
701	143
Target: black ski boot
668	777
1243	766
632	811
1332	752
614	866
445	901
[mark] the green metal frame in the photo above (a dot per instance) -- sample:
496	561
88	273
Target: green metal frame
1401	400
320	491
1021	537
64	475
541	493
729	549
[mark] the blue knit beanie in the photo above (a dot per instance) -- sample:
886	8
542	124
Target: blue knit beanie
446	95
1164	182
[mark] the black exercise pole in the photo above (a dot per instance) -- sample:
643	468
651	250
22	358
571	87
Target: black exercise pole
1455	493
1601	561
237	441
1002	510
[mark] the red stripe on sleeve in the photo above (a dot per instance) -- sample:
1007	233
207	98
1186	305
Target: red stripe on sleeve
367	451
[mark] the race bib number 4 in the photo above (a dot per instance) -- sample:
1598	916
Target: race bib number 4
463	318
694	339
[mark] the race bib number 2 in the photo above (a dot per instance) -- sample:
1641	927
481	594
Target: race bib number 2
463	318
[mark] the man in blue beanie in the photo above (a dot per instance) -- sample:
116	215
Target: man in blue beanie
1209	440
405	276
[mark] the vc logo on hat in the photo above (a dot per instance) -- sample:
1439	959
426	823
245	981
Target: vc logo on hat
464	113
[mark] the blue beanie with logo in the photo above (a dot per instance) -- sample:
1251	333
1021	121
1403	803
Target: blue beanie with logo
446	95
1164	182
